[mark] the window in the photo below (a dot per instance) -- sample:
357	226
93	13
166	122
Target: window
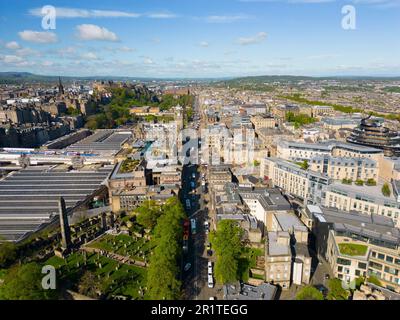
381	256
389	259
362	265
344	262
340	269
357	272
375	265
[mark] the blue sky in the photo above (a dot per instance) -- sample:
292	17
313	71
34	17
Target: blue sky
201	38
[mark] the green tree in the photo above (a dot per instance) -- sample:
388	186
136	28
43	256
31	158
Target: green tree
374	280
359	282
89	285
304	165
309	293
8	253
148	213
25	283
162	274
386	190
359	182
227	243
336	290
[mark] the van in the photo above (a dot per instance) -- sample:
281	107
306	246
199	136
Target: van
210	281
210	268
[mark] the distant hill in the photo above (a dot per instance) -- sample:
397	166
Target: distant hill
273	78
26	77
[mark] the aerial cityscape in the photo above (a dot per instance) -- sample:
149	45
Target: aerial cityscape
227	150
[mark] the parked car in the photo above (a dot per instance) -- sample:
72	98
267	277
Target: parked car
187	266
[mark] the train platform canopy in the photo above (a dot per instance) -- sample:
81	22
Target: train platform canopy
29	197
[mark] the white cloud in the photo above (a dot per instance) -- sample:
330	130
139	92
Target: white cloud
259	37
126	49
11	59
13	45
84	13
226	18
204	44
94	32
161	15
47	63
89	56
38	36
148	61
27	52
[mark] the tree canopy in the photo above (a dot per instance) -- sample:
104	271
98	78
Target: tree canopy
148	213
25	283
227	243
162	275
309	293
336	290
8	253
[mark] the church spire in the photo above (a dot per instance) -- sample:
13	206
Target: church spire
60	87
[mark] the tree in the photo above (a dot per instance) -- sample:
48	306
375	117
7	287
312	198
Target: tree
374	280
336	290
359	281
304	165
162	273
359	182
148	213
386	190
25	283
89	285
227	243
309	293
8	253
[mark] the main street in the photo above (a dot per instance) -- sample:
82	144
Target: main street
195	280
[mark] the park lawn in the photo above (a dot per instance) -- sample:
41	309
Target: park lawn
133	247
353	249
127	279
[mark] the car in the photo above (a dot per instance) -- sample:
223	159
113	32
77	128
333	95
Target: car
210	267
187	266
211	298
327	276
209	246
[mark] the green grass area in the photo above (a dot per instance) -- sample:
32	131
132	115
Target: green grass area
124	281
338	107
352	249
133	247
128	165
258	276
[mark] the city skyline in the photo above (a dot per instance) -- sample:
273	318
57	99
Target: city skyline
203	39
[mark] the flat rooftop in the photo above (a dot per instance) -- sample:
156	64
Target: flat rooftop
102	141
375	226
29	197
371	194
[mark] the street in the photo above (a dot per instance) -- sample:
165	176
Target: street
195	280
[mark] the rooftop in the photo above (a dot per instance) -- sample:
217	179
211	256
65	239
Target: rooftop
245	291
29	197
